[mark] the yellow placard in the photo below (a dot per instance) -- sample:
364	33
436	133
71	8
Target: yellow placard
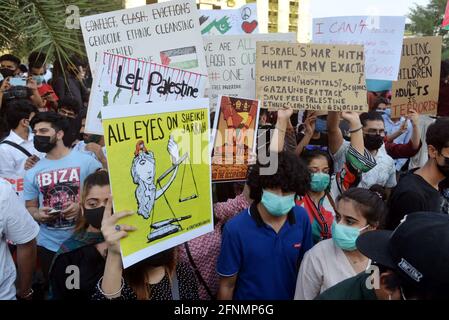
159	167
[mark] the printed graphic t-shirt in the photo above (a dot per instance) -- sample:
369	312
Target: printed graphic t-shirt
57	183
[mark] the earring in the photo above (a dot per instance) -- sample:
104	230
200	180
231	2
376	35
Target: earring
389	297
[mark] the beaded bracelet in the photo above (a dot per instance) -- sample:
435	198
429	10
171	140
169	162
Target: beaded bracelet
107	295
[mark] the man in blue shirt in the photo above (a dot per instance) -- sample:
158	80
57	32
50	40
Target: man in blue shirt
263	246
52	187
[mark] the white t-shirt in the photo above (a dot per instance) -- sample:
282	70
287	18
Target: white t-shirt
384	173
12	160
322	267
16	225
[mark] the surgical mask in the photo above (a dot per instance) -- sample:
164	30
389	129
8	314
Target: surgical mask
7	72
320	125
386	112
44	144
39	79
373	142
94	217
320	181
344	237
277	205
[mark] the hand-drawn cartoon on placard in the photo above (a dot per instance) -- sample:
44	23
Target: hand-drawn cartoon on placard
231	21
143	174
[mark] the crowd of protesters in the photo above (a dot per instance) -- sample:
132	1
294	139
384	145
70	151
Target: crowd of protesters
351	192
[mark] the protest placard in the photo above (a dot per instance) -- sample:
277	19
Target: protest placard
122	80
418	82
311	77
159	167
231	63
167	31
235	128
381	37
242	20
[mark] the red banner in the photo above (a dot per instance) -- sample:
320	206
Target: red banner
445	23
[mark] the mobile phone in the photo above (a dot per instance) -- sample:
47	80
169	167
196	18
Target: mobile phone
54	212
17	81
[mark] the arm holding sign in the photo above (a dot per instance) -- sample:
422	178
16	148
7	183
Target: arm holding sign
111	284
277	141
334	133
309	125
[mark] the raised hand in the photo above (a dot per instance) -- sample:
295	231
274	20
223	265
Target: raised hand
112	231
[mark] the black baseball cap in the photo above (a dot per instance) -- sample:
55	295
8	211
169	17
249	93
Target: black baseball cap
417	250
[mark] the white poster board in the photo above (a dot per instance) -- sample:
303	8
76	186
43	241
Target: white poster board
231	63
230	21
127	81
380	35
163	32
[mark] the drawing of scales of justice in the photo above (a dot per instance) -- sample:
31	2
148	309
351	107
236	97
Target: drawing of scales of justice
143	170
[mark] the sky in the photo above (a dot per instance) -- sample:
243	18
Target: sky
329	8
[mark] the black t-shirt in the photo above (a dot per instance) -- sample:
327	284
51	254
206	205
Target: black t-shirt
91	268
412	194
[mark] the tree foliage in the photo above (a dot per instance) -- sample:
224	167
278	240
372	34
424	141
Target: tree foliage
426	21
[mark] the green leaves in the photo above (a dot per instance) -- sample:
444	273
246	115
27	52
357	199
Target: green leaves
40	25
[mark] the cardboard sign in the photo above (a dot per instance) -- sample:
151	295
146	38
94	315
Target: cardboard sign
311	77
121	80
231	63
418	82
231	21
159	167
150	33
380	36
235	137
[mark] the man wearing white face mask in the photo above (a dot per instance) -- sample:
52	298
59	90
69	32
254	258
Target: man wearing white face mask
334	260
263	246
37	69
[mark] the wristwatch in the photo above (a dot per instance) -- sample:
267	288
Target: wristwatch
26	296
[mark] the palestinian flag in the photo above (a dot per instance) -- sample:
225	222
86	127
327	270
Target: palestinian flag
445	24
182	58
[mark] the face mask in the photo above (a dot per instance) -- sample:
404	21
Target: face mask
373	142
44	144
39	79
94	216
277	205
444	169
320	125
386	112
344	237
320	181
7	72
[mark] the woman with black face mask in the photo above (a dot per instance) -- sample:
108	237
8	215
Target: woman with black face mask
85	249
159	277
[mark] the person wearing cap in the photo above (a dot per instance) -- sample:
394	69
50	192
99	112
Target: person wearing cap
419	189
412	262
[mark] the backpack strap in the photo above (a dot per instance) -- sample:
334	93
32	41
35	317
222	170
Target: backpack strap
15	145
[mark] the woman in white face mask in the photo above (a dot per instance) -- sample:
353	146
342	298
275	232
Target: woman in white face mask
334	260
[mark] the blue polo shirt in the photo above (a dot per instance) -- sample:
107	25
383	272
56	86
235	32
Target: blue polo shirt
266	262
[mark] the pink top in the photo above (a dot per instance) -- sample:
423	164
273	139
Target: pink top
205	249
